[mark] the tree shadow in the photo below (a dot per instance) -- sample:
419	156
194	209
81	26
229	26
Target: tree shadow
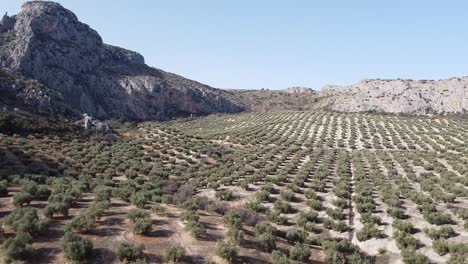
249	259
159	233
45	254
103	255
106	231
153	258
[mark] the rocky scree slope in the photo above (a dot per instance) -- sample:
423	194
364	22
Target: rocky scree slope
47	43
399	96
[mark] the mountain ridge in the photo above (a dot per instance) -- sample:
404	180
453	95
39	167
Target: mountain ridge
47	43
401	96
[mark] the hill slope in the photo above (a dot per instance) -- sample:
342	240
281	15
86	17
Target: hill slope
48	43
400	96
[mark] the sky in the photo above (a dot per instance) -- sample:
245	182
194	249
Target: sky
272	44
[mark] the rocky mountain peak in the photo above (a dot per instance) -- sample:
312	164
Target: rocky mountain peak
48	43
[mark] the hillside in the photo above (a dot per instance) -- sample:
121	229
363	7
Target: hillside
267	100
48	43
400	96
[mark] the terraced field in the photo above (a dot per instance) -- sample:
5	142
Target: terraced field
271	187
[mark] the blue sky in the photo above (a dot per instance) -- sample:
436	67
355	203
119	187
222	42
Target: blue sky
277	44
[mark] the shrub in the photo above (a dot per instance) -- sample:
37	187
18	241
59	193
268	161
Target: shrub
75	247
211	208
440	246
135	214
403	226
158	209
262	196
130	252
233	219
138	199
367	232
235	235
299	252
22	199
310	194
444	232
382	251
404	240
396	212
412	257
256	206
29	186
227	251
339	226
296	236
438	218
287	195
224	195
97	209
82	223
342	252
17	247
3	188
175	253
190	216
55	208
282	206
184	193
279	258
102	193
142	226
266	242
276	217
42	192
25	220
264	227
305	217
457	259
368	218
196	229
315	204
336	213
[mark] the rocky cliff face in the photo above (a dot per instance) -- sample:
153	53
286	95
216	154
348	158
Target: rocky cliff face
17	92
46	42
400	96
300	90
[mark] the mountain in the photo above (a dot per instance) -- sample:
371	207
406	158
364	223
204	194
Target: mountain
47	43
419	97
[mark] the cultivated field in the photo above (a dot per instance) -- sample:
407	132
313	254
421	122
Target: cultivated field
272	187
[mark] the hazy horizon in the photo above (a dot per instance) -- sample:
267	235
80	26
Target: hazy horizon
275	45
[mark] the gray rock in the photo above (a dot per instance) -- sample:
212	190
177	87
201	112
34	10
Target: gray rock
421	97
7	23
91	124
300	90
32	96
50	45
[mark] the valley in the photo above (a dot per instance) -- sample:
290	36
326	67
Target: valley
263	187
